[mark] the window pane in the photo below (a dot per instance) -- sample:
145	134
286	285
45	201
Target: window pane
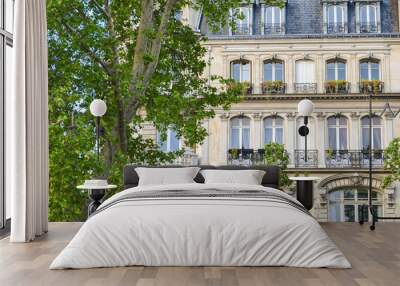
161	144
246	72
245	121
268	122
362	212
363	13
332	138
343	138
362	194
341	71
349	214
9	15
277	18
268	15
339	14
236	71
372	14
246	138
348	194
334	212
279	135
364	71
331	121
330	75
279	71
377	140
365	138
278	121
268	135
235	141
331	14
374	71
268	71
343	121
376	120
173	141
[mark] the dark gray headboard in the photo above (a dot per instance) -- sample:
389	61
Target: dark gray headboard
271	178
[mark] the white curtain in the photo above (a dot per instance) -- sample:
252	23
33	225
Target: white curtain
27	123
305	71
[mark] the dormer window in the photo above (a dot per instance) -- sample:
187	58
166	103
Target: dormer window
335	18
368	17
243	19
273	19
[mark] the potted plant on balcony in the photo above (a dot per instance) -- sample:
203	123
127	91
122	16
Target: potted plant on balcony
336	86
276	155
366	85
329	153
272	86
245	87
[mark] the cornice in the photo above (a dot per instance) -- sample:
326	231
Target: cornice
323	96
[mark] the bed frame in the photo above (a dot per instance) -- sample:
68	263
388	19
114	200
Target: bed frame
270	179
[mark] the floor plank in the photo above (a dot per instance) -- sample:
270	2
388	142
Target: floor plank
375	257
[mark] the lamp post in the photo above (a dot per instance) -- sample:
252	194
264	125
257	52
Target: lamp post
98	108
305	109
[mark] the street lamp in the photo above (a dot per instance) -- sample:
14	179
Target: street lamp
98	108
305	109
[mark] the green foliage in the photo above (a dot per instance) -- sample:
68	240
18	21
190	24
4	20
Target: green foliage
392	162
276	155
92	48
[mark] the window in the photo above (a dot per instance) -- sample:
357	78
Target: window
240	133
240	71
336	19
376	132
336	70
337	132
172	142
345	204
6	65
273	70
242	21
369	18
369	70
273	20
273	130
305	77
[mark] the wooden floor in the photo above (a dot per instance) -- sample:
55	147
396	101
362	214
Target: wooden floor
375	257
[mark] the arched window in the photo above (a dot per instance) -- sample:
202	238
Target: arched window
336	69
240	70
344	205
172	142
240	133
273	70
273	130
369	69
337	133
376	132
305	77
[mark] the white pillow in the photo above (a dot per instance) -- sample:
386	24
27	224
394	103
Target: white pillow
248	177
166	176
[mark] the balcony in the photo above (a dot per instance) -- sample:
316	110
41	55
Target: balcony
273	87
337	87
305	87
336	28
353	158
273	28
366	86
247	87
312	159
366	27
245	157
241	29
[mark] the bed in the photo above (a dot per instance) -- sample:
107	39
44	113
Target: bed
197	224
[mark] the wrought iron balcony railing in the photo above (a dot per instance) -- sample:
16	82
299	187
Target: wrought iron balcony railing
245	157
367	27
241	29
300	159
353	158
336	28
305	87
337	87
273	28
366	86
273	87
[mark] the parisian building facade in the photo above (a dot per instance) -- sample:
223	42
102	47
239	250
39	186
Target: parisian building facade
331	52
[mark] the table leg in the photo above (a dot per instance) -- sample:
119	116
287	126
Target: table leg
96	197
305	193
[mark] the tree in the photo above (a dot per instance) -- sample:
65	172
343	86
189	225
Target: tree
392	162
276	155
148	68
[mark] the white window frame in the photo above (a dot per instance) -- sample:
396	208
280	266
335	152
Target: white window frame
282	16
337	127
336	7
242	64
240	128
370	62
374	127
273	128
273	63
336	63
168	141
248	12
375	5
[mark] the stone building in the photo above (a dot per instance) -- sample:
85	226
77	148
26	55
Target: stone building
327	51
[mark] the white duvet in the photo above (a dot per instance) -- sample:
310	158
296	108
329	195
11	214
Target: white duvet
200	232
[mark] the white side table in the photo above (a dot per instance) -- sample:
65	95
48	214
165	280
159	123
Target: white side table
305	192
96	195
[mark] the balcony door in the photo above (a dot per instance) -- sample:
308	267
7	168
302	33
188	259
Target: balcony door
337	133
376	132
305	71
